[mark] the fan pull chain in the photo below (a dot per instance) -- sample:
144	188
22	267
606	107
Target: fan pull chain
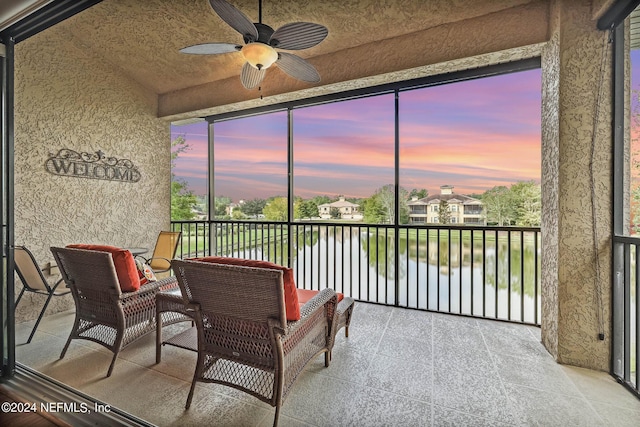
260	91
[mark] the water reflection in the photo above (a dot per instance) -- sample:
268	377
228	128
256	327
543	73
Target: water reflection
478	272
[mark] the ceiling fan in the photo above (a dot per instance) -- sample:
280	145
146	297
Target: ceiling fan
260	43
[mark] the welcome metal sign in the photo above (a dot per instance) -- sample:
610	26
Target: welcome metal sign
94	166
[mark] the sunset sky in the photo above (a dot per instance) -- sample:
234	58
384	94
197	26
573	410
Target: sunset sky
473	135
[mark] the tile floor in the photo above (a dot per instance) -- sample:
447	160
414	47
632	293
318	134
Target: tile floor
398	368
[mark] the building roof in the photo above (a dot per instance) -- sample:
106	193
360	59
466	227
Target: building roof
339	204
449	198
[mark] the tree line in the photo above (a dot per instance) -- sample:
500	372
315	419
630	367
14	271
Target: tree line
517	205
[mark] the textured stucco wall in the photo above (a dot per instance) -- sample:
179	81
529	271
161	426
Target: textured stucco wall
575	294
549	183
67	97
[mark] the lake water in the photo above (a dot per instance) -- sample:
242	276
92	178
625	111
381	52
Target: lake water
429	273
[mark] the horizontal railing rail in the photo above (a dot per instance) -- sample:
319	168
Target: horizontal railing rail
480	271
625	364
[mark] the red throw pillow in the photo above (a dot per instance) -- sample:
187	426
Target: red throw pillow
304	295
124	263
290	295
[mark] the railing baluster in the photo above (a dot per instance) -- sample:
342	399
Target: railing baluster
497	276
386	264
637	316
535	278
627	311
449	269
351	235
438	271
427	261
460	260
407	264
509	255
522	251
311	256
417	267
360	263
371	296
471	281
484	273
322	258
304	263
335	283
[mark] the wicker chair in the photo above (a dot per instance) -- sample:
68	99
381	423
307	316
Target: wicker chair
105	314
244	339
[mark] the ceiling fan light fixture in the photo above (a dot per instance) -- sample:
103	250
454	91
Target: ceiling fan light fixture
259	55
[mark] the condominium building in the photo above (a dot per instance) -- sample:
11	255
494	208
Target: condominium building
347	209
462	209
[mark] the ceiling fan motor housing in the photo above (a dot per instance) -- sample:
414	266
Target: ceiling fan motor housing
264	34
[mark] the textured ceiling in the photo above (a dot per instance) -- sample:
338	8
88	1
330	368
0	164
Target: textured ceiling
143	38
150	33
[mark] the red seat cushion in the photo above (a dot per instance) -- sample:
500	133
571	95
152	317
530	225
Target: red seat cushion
290	295
124	263
304	295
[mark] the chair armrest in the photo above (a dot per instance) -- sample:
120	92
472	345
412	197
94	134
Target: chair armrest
318	300
165	284
159	257
191	307
156	270
326	297
344	305
48	269
141	258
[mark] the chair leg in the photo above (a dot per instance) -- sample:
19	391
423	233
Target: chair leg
196	375
116	350
327	359
74	330
66	346
346	331
158	335
113	362
191	390
277	415
19	297
40	317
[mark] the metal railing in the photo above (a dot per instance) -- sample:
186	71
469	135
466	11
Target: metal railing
479	271
473	210
626	312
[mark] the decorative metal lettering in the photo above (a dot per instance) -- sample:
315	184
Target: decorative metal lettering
94	166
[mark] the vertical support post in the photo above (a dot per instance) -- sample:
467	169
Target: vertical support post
7	331
618	180
213	229
396	215
290	216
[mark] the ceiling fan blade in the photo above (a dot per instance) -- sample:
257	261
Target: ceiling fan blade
298	35
250	76
236	19
211	48
297	67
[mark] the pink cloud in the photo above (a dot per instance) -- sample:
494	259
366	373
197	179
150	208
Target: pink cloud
474	135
